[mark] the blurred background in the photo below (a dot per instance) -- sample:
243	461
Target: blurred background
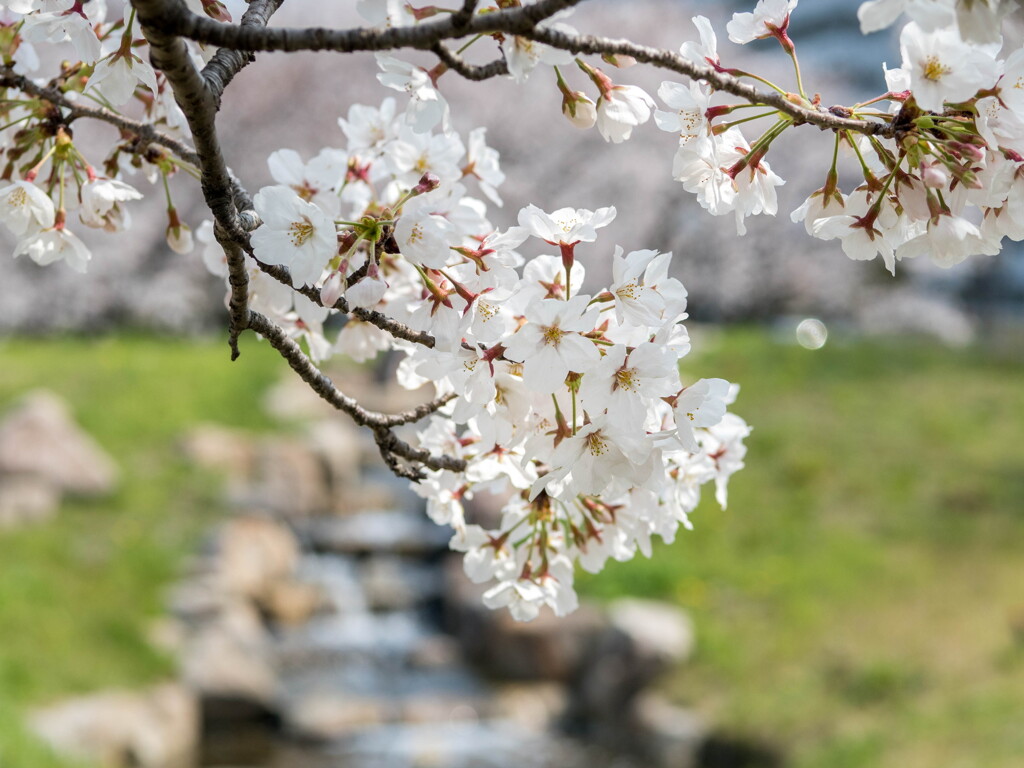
860	603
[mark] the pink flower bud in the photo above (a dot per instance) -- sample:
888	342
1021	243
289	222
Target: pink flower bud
216	10
428	182
935	175
332	289
970	151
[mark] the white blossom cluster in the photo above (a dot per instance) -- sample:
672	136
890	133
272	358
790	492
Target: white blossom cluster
570	403
948	184
48	183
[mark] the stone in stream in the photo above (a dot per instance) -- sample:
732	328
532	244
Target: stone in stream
39	438
279	475
456	743
155	728
657	629
289	479
394	531
670	735
291	602
392	582
252	554
227	661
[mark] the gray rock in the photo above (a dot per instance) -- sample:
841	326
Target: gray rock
339	444
222	450
252	554
40	438
671	736
228	660
157	728
657	629
26	499
535	707
288	479
325	716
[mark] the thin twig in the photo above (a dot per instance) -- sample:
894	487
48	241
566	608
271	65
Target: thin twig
371	316
146	133
663	59
381	424
469	71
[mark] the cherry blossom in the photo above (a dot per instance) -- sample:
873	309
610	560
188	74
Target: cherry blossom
942	67
620	109
295	234
25	208
768	18
53	245
101	204
550	344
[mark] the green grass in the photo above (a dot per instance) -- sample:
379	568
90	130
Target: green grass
78	594
856	604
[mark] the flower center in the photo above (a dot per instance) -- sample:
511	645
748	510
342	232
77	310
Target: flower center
629	290
569	224
485	310
18	198
416	234
934	69
553	335
596	444
301	231
626	378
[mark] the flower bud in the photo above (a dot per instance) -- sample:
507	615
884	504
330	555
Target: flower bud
970	151
579	109
332	289
179	235
935	175
618	60
216	10
428	182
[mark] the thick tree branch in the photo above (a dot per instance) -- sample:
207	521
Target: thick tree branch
463	16
146	133
519	21
179	20
170	55
238	280
227	63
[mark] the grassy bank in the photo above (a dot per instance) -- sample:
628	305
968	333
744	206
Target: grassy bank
78	594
